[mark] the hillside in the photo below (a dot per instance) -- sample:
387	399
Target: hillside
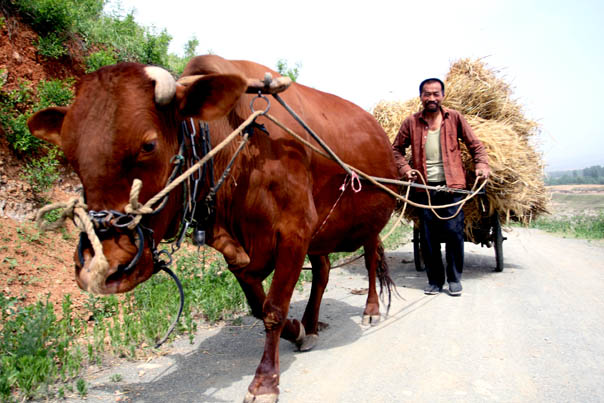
32	265
23	66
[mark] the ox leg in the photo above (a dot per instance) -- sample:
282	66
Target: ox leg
310	320
264	386
254	293
371	315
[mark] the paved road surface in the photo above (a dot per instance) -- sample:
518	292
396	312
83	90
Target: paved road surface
533	333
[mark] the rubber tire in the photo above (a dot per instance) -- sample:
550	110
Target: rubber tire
498	243
417	253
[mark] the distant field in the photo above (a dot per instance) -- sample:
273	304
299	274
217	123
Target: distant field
576	188
576	199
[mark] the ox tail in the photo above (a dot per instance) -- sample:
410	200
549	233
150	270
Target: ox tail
387	285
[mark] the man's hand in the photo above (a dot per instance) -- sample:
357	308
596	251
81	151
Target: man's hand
482	173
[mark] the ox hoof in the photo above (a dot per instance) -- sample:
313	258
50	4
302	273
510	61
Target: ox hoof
301	335
372	320
269	398
308	342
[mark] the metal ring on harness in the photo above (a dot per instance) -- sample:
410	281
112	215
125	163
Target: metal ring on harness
268	103
133	262
355	182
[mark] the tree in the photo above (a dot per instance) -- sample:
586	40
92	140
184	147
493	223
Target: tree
191	47
285	70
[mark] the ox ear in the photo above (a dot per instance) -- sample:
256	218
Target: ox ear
46	124
211	97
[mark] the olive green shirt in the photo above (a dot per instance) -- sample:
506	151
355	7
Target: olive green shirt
434	157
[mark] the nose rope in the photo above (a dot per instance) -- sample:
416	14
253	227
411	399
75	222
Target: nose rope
76	210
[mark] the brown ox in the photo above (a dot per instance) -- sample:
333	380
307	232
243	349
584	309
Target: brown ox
276	206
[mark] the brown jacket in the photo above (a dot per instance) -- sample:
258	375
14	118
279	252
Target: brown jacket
414	131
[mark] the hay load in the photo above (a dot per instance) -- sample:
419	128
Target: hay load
515	188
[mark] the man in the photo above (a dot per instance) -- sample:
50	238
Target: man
433	135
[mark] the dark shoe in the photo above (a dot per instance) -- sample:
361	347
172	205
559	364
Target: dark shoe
432	289
455	289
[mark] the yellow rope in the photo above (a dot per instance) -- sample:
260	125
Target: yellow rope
77	211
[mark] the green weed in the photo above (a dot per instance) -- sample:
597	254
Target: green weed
34	348
52	215
29	234
116	378
581	226
82	387
11	261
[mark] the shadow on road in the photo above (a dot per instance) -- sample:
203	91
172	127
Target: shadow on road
477	263
231	356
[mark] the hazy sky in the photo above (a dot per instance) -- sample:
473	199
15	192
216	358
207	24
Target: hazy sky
551	52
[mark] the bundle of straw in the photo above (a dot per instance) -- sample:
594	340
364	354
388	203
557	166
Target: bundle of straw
515	189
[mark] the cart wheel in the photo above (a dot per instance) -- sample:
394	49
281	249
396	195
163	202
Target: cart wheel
498	243
417	255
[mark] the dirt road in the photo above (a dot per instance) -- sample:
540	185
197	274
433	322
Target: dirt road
533	333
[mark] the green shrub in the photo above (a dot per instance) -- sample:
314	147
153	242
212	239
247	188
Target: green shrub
54	93
99	59
13	105
18	134
47	16
16	107
131	42
60	16
155	48
51	46
42	173
18	98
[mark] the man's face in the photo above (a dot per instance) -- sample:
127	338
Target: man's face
431	96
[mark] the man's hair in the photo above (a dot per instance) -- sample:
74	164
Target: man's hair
431	80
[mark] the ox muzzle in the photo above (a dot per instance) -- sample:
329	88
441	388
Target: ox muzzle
111	221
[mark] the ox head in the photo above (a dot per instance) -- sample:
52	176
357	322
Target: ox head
124	125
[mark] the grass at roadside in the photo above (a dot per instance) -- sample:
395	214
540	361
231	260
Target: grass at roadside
577	211
580	226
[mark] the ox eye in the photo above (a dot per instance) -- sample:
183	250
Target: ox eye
149	146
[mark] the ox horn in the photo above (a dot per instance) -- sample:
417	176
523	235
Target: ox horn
268	85
165	85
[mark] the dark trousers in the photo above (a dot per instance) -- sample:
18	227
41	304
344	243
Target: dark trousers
433	231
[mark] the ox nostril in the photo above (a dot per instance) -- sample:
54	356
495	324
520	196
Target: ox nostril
84	243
